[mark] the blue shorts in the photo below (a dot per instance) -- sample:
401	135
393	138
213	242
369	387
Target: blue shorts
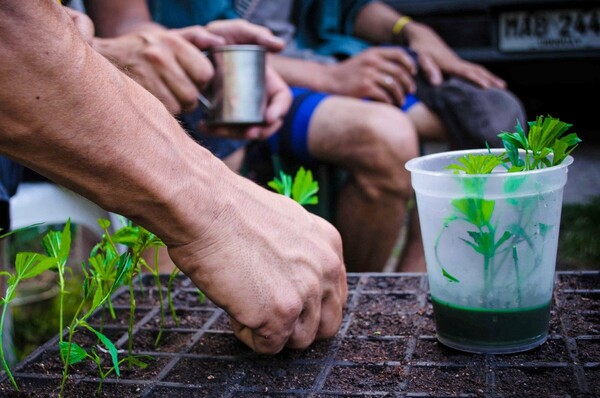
292	137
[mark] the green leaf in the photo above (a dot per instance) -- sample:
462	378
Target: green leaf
476	164
542	142
44	264
99	296
109	346
448	276
123	266
104	223
29	265
16	231
65	238
127	236
544	228
58	244
282	185
137	362
76	355
304	188
505	236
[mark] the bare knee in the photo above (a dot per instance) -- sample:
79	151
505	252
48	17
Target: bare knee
388	139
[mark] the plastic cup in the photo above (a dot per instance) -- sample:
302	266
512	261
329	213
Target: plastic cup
490	245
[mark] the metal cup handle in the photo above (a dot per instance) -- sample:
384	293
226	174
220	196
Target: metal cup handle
205	103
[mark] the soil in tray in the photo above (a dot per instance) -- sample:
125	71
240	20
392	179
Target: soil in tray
369	324
278	375
209	374
188	319
490	329
49	363
372	350
447	381
220	344
121	317
148	297
389	284
191	298
170	341
536	382
366	378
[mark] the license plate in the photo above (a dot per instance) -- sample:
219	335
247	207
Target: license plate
549	30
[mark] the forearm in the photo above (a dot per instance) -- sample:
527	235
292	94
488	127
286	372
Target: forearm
375	23
76	119
117	17
298	72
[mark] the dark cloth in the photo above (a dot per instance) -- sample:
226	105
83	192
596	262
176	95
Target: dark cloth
472	115
11	174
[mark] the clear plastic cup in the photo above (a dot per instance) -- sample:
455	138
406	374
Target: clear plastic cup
490	245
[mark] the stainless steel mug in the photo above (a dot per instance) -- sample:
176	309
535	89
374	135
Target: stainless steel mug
237	93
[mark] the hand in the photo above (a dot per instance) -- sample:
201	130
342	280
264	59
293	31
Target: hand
275	268
165	62
380	73
436	58
240	31
279	99
83	23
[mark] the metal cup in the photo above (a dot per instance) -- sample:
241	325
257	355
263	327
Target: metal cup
237	93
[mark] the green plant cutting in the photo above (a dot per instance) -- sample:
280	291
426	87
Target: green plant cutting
544	146
499	212
27	266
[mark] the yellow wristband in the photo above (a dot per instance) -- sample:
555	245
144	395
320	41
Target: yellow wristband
400	24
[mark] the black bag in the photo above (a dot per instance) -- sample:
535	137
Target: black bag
472	115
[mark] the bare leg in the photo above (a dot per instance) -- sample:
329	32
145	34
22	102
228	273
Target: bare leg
429	126
412	258
372	141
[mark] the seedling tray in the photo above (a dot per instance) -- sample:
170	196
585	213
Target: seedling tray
385	347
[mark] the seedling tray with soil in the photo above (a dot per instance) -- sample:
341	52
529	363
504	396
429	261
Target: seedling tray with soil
386	346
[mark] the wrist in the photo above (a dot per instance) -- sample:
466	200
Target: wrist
327	79
399	29
412	31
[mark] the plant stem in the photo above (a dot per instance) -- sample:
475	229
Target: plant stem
170	295
72	328
160	297
9	291
130	326
517	276
132	307
61	284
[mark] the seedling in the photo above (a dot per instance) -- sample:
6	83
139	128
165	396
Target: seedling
302	188
544	146
94	289
137	240
155	271
58	245
27	265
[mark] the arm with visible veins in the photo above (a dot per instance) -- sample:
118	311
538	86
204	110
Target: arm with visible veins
68	113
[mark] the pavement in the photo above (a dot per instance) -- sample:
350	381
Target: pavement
583	179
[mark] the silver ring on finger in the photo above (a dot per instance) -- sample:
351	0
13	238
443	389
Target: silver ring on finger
388	80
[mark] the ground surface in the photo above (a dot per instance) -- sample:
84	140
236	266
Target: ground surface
386	347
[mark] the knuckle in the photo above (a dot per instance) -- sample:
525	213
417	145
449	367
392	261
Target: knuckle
153	55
